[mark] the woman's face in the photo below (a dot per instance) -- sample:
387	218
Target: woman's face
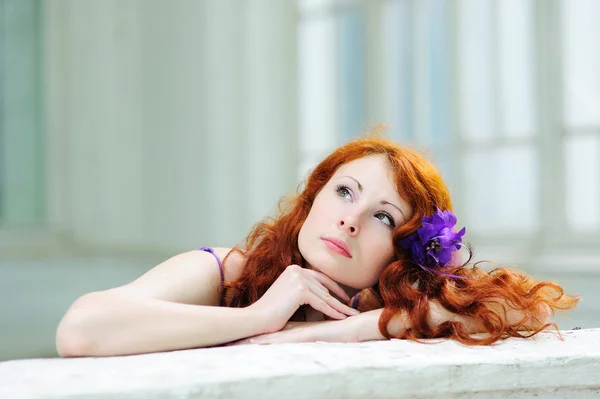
348	232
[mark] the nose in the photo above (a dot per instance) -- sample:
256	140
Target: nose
350	224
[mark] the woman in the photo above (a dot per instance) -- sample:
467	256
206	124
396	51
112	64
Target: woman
372	229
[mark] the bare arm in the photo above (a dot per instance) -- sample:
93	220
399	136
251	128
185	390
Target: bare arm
173	306
512	316
365	326
438	315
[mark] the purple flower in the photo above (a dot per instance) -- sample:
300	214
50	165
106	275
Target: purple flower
431	246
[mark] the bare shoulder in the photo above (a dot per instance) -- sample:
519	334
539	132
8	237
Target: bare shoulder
235	263
191	277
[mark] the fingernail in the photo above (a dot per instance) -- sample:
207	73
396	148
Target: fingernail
355	311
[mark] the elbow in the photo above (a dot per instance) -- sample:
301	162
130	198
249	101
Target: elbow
71	341
72	337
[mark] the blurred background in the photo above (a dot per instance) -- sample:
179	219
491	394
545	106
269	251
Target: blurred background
131	130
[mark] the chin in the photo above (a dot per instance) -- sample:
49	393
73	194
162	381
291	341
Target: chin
331	269
325	265
321	260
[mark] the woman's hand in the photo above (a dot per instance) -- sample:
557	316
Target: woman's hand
296	287
363	327
322	331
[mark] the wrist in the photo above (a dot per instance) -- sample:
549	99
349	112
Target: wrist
256	321
365	326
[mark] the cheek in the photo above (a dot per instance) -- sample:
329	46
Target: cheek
313	217
321	211
309	228
379	250
371	277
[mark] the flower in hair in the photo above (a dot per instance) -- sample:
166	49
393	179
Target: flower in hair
431	246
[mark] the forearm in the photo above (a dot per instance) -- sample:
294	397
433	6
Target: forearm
368	322
101	324
365	326
511	316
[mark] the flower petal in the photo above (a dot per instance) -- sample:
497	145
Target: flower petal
426	234
444	257
438	227
448	217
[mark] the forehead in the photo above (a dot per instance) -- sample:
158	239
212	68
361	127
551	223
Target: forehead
377	178
372	170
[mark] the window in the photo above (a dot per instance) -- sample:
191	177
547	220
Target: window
581	117
505	101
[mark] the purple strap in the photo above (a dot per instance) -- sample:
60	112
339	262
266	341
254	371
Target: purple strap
221	302
210	250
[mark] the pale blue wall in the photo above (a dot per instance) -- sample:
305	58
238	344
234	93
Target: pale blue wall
21	143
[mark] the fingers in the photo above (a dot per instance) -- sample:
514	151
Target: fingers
321	287
328	283
331	302
317	290
322	306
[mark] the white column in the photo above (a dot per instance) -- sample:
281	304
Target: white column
21	198
270	94
224	141
549	97
101	92
54	116
375	64
172	124
176	188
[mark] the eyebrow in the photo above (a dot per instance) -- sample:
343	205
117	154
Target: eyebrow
360	189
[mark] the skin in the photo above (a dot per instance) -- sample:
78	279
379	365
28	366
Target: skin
175	304
360	206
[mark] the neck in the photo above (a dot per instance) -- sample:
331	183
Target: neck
347	289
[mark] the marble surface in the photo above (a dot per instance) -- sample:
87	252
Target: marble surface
545	367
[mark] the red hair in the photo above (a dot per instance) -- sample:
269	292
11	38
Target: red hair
403	287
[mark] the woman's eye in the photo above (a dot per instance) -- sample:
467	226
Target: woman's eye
343	192
387	219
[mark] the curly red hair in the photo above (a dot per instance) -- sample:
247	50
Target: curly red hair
403	288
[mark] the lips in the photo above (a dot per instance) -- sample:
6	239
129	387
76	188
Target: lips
338	246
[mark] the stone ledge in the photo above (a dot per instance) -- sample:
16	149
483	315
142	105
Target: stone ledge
544	367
